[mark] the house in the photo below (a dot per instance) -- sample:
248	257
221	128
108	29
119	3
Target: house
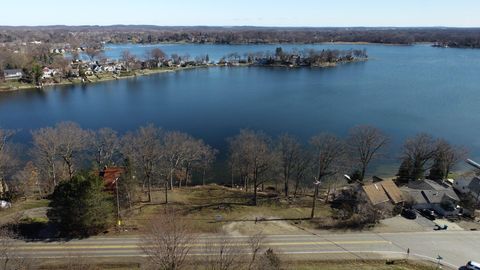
110	176
468	186
383	192
428	194
12	74
48	73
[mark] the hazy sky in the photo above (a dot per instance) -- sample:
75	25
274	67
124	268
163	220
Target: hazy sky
461	13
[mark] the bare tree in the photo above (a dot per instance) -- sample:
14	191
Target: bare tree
168	242
93	50
128	59
445	159
144	148
290	152
157	55
7	156
72	140
207	157
366	143
45	152
175	151
255	243
300	169
254	152
9	259
328	152
223	254
106	144
417	153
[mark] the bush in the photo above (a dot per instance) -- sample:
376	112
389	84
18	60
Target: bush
80	207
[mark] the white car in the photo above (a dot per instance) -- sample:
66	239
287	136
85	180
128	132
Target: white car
471	265
5	204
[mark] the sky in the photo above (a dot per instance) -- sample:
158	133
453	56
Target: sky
314	13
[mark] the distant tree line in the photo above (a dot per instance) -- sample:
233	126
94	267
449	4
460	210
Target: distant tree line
454	37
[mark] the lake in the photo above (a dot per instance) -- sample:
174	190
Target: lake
403	90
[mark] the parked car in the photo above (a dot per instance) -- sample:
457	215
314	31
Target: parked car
428	213
409	213
471	265
5	204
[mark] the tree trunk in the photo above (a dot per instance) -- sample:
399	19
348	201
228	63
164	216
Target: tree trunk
166	191
286	186
203	177
362	175
255	188
149	186
171	179
315	194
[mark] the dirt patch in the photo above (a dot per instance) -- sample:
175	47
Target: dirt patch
266	225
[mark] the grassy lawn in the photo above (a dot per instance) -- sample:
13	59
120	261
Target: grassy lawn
367	265
210	207
12	85
287	265
22	206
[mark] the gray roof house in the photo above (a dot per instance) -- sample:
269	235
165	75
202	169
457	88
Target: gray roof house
428	194
12	74
468	186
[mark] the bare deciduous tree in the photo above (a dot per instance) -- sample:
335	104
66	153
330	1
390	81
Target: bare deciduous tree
290	152
45	152
157	55
254	153
223	254
366	143
255	244
445	158
175	151
72	140
417	153
106	145
168	242
128	59
7	156
144	148
328	151
207	157
9	259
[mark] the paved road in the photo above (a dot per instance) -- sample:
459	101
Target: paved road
456	248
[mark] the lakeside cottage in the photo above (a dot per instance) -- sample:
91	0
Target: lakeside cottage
468	186
12	74
385	191
428	194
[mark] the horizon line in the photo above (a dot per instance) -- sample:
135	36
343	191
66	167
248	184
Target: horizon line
236	26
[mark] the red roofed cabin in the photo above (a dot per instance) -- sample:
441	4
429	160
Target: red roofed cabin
110	176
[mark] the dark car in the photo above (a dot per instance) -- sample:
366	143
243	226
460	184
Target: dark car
428	213
409	213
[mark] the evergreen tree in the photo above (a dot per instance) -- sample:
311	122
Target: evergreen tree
81	207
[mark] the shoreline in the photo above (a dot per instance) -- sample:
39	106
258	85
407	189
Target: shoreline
106	77
103	78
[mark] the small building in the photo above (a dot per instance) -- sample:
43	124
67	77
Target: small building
383	192
12	74
110	176
469	186
428	194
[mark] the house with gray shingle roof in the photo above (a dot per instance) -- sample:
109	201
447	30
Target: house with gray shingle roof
428	194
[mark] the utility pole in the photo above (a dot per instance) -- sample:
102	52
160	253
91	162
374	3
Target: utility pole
119	222
315	194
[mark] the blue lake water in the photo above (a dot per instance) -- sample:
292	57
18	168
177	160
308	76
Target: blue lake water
401	89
